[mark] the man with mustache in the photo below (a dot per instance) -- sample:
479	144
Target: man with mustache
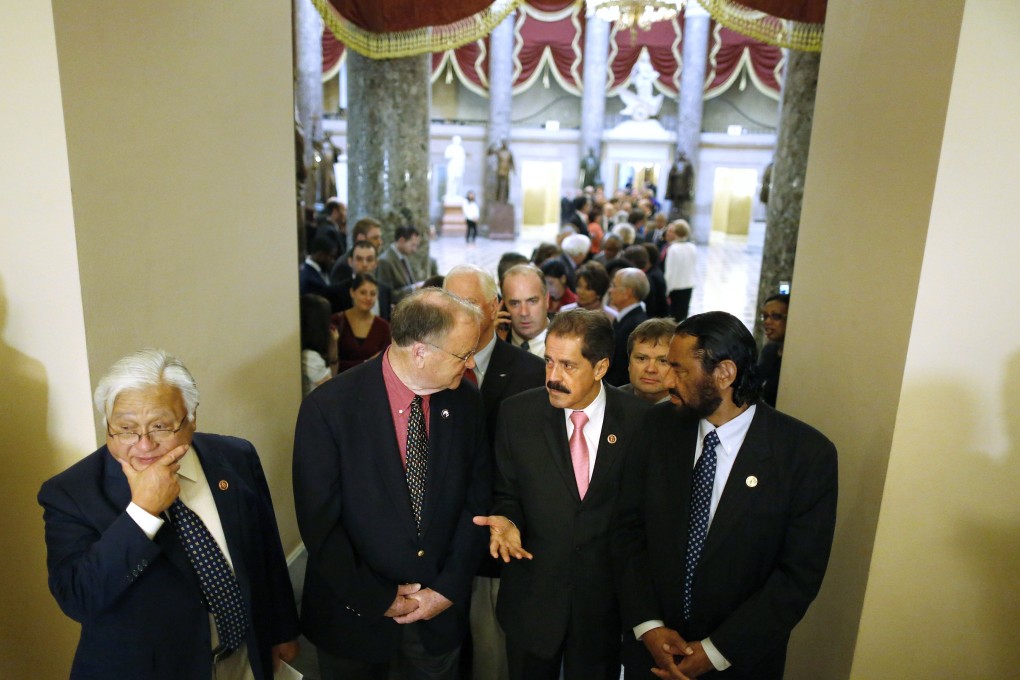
560	452
725	517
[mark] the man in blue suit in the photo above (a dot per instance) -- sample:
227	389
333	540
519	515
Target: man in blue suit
163	543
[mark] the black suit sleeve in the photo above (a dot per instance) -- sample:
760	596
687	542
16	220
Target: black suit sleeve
506	495
632	571
764	621
89	570
318	502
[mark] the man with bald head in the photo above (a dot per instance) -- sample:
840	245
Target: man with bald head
501	371
390	464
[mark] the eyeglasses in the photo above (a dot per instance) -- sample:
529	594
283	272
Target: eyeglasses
156	435
774	316
458	357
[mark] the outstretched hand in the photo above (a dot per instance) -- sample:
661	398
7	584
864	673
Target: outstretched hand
504	537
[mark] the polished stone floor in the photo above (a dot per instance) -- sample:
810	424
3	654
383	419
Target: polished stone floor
728	267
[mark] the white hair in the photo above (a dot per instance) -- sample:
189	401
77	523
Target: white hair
626	233
485	279
576	245
145	368
636	280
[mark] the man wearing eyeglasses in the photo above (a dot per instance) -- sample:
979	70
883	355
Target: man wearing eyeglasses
390	465
163	543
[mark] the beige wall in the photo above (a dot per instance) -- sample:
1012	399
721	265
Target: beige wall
172	125
45	410
907	271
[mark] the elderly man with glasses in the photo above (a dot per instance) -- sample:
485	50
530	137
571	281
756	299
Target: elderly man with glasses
163	544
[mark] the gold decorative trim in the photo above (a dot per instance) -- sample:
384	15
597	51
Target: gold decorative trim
768	29
418	41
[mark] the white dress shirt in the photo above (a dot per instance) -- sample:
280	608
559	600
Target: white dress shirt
196	494
536	345
482	358
731	438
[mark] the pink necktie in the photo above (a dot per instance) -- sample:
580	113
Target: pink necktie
579	451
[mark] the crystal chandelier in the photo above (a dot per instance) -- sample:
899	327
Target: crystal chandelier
635	13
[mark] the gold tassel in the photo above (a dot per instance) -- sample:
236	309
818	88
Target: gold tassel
418	41
768	29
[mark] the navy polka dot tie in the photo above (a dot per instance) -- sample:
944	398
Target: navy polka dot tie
219	584
417	458
701	503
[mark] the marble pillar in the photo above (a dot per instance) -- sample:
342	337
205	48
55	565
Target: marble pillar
782	222
308	85
690	105
388	143
501	73
593	97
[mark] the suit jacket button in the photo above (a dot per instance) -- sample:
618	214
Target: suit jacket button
421	553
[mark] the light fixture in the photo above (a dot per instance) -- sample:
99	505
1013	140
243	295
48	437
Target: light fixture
635	13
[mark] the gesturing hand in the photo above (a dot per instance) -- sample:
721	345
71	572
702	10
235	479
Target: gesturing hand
504	537
155	488
402	604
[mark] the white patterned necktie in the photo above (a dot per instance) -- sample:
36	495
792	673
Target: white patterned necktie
417	458
701	503
219	584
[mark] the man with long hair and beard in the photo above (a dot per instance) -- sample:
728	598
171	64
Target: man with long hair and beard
725	518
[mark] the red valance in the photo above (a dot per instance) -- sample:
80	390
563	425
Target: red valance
549	40
393	16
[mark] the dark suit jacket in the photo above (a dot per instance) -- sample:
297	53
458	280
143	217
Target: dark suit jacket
391	272
511	371
139	602
657	302
311	282
567	589
579	223
622	328
340	298
766	550
354	514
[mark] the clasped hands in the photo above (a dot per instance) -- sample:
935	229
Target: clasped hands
414	603
666	647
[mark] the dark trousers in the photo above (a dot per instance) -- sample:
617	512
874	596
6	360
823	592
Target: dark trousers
472	231
680	303
576	663
413	662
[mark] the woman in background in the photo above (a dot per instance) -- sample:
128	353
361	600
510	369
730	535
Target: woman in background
362	333
318	343
680	269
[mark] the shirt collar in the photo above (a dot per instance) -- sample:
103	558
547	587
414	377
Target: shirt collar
397	390
313	264
483	355
626	310
189	465
538	338
597	405
731	434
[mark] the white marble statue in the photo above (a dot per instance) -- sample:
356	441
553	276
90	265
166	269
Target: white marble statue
641	104
454	169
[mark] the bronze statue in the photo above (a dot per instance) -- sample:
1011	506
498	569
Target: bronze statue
504	166
590	173
680	187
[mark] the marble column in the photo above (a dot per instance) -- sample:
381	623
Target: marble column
501	74
782	222
690	105
388	142
308	85
593	97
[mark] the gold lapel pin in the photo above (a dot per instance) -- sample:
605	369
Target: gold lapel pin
751	481
224	485
611	439
445	413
